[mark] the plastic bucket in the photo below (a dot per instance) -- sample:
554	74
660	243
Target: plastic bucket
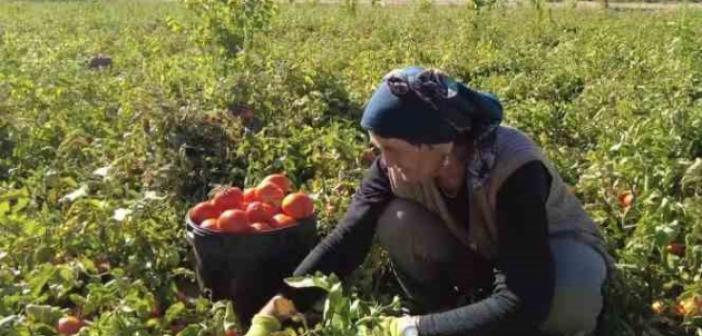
249	268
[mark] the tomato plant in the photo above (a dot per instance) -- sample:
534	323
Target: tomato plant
100	165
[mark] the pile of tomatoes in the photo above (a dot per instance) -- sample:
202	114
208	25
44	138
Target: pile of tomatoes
270	205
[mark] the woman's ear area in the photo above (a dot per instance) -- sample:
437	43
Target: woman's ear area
375	142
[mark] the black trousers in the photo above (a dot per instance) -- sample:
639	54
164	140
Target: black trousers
435	271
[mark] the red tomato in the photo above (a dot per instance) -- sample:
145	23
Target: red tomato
676	249
250	195
229	198
282	220
626	199
233	221
202	211
69	325
260	227
298	205
259	212
279	180
270	193
210	224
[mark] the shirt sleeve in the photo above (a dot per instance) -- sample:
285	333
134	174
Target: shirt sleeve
523	273
346	246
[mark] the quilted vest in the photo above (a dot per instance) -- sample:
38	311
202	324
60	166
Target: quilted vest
565	213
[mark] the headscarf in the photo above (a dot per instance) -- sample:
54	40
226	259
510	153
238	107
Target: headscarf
425	106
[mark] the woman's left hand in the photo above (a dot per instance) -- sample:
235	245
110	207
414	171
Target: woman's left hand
397	326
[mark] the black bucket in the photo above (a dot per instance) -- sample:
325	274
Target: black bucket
249	268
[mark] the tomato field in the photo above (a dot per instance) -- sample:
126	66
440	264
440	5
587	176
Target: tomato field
116	117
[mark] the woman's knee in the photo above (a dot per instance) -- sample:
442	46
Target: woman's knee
580	274
409	226
397	216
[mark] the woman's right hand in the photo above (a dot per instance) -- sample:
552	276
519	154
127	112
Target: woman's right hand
263	325
269	318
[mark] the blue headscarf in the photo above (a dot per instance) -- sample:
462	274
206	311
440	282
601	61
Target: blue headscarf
425	106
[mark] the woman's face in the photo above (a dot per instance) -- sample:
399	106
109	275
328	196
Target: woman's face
414	163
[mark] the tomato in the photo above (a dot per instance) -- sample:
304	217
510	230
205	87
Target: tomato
233	221
626	199
250	195
282	220
69	325
279	180
270	193
155	310
259	212
229	198
260	227
298	205
690	307
210	224
202	211
676	249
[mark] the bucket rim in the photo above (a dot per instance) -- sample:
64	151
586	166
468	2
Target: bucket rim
198	229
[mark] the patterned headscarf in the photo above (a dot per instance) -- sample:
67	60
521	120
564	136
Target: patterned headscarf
425	106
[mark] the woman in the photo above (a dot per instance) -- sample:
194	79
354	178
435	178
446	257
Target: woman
483	234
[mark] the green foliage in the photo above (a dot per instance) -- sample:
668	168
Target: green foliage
98	167
343	314
232	24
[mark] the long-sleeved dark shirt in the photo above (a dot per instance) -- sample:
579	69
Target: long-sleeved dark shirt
523	269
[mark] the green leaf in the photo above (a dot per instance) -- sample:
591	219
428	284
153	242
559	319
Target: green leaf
43	254
664	234
75	195
190	330
355	309
336	297
186	272
230	318
9	321
4	208
78	300
693	174
44	329
44	313
175	311
88	266
308	281
22	202
302	282
40	277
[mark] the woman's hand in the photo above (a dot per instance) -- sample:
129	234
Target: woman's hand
396	326
263	325
269	318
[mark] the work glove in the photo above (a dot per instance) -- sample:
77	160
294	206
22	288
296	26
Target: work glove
267	321
263	325
397	326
